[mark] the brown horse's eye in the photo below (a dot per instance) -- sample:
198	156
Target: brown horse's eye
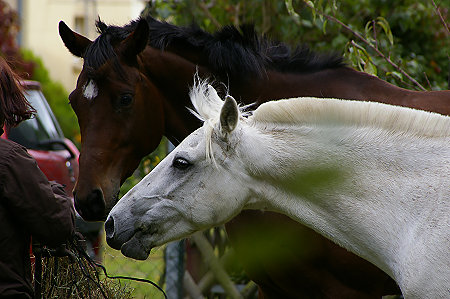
180	163
126	100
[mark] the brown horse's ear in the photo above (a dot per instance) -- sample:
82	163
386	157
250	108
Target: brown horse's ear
75	43
136	42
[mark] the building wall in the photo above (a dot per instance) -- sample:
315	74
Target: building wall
39	29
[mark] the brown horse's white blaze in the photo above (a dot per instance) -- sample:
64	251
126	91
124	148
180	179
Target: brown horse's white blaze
90	90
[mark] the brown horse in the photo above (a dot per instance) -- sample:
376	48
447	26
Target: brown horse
133	89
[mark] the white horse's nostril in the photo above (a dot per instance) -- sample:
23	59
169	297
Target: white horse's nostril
109	228
112	238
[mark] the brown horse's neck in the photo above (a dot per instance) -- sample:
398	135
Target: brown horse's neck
344	83
173	76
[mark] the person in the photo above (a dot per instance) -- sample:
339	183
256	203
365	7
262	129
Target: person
30	205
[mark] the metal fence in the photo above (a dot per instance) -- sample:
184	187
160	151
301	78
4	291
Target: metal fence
193	268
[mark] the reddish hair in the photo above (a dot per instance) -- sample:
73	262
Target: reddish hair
14	107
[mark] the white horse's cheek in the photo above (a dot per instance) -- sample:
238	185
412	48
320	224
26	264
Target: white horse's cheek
223	205
121	211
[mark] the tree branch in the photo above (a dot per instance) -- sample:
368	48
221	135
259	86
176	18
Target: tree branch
360	37
208	14
213	262
438	11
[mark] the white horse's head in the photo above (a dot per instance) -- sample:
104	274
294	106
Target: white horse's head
195	187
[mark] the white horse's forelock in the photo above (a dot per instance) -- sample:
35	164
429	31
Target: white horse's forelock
207	107
207	103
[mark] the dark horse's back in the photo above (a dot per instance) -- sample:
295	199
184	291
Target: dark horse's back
293	261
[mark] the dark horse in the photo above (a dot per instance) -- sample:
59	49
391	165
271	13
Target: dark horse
133	89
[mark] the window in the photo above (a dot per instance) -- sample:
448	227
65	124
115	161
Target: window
43	127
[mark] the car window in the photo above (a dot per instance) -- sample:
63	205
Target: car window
42	127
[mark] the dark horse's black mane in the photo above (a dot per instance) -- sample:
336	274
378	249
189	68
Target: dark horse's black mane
230	50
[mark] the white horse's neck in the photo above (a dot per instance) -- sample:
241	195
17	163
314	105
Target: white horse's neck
383	209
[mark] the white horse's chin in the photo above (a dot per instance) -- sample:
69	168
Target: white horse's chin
135	249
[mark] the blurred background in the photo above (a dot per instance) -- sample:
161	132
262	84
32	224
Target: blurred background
405	42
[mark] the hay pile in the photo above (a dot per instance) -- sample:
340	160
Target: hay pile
75	276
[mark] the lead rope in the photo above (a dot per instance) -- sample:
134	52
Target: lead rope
83	254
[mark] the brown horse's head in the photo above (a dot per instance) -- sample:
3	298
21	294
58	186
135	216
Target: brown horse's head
109	99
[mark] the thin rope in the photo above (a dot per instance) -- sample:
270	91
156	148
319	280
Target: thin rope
93	263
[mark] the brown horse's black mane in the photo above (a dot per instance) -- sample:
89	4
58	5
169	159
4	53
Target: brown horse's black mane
229	51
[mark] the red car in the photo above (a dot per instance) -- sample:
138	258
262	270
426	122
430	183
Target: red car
56	155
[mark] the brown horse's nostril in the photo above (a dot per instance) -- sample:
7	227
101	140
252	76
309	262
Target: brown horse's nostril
92	208
96	203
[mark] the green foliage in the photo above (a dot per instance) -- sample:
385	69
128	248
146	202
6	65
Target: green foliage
404	43
56	96
407	32
306	182
9	49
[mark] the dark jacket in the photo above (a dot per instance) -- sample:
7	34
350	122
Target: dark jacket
30	206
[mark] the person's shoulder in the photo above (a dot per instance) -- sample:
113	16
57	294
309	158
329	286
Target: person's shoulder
9	150
8	146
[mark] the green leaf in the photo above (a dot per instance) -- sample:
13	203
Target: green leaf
295	16
313	9
370	68
306	23
368	29
386	28
310	3
395	75
334	5
320	8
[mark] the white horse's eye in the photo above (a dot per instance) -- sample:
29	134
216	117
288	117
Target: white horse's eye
181	163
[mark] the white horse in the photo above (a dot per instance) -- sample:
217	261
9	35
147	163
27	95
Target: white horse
388	199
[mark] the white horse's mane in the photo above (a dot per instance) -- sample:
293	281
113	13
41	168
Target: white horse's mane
320	111
309	110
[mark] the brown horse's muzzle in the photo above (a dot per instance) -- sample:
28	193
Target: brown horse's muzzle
92	207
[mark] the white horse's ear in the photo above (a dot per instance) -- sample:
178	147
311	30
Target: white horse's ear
229	116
